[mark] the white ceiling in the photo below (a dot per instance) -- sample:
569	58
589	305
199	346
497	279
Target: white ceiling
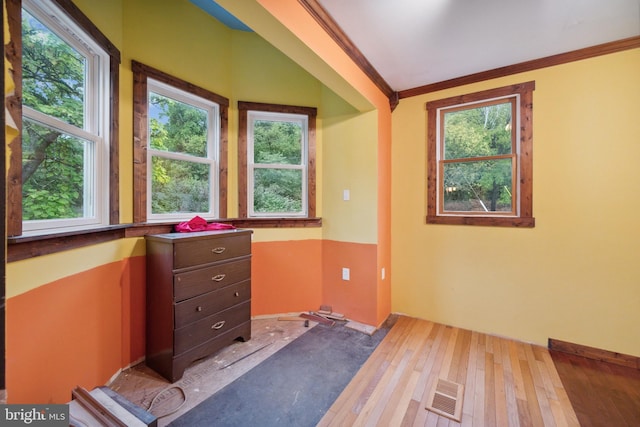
412	43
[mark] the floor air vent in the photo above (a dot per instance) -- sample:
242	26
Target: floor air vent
446	399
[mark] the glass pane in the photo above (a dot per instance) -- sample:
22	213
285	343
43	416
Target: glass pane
277	190
277	142
179	186
477	132
177	127
53	173
53	73
483	186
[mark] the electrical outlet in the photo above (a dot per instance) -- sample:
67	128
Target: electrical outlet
346	273
346	195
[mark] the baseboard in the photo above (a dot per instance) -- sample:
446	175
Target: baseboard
595	353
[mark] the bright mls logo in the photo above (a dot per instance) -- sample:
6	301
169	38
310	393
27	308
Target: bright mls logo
35	415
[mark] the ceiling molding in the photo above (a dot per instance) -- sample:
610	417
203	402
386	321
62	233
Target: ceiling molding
325	20
549	61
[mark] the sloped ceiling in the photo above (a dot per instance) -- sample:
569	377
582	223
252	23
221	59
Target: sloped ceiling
413	43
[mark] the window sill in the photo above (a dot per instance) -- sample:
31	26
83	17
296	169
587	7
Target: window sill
276	222
25	247
483	221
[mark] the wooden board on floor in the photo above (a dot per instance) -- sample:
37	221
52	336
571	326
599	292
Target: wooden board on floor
291	318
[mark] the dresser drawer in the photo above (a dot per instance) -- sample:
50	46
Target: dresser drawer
210	327
196	282
190	253
210	303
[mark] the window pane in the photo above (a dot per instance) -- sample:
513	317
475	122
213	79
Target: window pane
177	127
53	173
277	142
478	186
476	132
179	186
277	190
53	73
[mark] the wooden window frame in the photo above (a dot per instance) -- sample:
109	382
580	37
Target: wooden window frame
523	175
311	112
141	74
14	108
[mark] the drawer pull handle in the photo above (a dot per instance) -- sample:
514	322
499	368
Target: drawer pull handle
236	294
218	325
218	250
218	277
199	308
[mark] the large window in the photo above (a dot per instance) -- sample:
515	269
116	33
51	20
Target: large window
277	161
66	123
480	158
182	171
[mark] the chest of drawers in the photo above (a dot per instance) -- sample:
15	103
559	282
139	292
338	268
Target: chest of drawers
198	296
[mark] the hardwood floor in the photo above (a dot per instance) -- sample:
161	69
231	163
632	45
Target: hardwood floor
507	383
602	394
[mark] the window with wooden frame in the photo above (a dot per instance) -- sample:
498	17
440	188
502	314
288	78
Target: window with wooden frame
64	167
480	158
180	149
276	155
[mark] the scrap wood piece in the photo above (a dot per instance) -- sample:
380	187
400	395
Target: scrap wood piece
95	408
333	316
330	316
291	318
317	318
361	327
123	414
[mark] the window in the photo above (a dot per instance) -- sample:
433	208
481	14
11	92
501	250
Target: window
68	142
480	158
182	171
277	161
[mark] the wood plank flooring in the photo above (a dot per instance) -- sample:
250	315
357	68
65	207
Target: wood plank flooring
602	394
506	383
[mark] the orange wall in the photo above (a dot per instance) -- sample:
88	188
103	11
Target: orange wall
355	298
289	277
79	330
286	276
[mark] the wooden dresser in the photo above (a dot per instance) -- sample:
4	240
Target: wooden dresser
198	296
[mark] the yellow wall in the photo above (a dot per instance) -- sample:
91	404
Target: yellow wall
350	163
576	275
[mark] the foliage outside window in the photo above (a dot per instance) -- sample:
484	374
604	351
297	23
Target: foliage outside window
182	153
277	158
480	158
182	172
65	123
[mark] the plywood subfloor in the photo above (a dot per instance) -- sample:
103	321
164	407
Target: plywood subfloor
142	385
